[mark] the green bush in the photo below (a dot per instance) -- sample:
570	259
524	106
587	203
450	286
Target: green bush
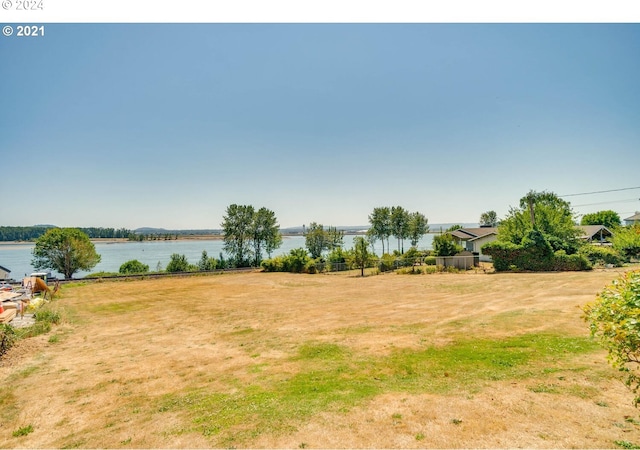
444	245
430	260
564	262
314	266
597	254
411	257
534	254
297	261
8	337
387	263
178	263
626	241
614	319
276	264
133	266
337	259
502	253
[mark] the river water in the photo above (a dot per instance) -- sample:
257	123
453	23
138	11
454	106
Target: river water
17	257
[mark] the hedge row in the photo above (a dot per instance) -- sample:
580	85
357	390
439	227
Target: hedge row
535	254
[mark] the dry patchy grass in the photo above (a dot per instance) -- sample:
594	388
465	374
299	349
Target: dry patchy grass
284	360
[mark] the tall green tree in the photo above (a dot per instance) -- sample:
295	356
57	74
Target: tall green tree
265	234
608	218
65	250
247	233
400	225
361	254
418	227
318	239
380	221
547	213
237	227
489	219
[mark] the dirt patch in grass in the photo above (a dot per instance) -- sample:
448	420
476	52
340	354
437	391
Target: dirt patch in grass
284	360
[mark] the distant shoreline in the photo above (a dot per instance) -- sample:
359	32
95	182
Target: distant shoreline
198	237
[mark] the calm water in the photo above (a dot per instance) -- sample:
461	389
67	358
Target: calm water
17	257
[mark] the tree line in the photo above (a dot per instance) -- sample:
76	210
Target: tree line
34	232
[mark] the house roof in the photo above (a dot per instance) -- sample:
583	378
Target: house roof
5	269
473	233
589	231
494	233
634	218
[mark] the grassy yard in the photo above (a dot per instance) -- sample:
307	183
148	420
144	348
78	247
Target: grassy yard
306	361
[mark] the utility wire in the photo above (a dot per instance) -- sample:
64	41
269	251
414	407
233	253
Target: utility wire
600	192
606	203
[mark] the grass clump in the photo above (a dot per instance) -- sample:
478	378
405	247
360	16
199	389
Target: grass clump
626	444
23	431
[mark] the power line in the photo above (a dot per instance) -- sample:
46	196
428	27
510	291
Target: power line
600	192
606	203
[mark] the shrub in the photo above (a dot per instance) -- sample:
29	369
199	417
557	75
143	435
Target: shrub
387	263
133	266
626	241
276	264
597	254
502	254
431	269
337	259
178	263
297	261
430	260
444	245
206	263
411	257
564	262
314	265
8	337
614	319
535	254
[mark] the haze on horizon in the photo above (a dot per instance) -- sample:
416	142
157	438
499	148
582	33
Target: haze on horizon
165	125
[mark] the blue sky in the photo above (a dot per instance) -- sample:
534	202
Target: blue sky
165	125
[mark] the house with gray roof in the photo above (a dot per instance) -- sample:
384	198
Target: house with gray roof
472	239
595	233
633	219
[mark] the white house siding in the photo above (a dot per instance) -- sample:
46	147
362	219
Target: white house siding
479	242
